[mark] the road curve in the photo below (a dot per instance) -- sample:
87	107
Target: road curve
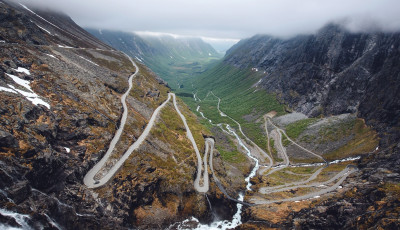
343	175
200	188
266	190
284	133
315	184
278	139
88	179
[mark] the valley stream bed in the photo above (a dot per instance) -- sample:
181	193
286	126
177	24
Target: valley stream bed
194	223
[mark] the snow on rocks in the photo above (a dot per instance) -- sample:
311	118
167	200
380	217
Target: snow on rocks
21	82
31	96
22	70
44	29
50	55
88	60
7	90
67	47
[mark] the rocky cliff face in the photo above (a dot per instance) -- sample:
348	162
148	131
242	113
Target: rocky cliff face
60	92
331	72
334	72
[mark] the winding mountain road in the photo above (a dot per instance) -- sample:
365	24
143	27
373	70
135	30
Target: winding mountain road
89	180
340	176
277	135
200	188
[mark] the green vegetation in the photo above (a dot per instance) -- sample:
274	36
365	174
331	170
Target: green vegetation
282	177
293	130
238	99
364	139
302	170
274	152
231	156
337	132
285	141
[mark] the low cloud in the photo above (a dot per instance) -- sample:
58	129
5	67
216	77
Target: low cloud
233	19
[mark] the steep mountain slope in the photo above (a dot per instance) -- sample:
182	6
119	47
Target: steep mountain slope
173	59
60	107
333	72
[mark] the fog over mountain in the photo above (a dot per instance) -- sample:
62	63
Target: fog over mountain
229	19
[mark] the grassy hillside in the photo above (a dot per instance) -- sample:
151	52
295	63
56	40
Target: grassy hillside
240	98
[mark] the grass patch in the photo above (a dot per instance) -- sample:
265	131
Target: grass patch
231	156
285	141
293	130
365	140
302	170
274	152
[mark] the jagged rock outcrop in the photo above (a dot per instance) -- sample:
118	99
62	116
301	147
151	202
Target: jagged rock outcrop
334	72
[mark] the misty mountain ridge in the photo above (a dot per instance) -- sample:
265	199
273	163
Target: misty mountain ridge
172	58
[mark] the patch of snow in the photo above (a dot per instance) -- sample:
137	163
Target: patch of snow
39	16
377	148
21	82
316	196
7	90
340	186
50	55
88	60
209	54
23	70
67	149
31	96
68	47
44	29
297	201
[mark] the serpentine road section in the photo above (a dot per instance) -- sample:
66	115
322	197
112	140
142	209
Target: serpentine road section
89	178
197	186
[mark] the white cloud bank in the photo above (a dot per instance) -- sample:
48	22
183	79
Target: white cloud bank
233	19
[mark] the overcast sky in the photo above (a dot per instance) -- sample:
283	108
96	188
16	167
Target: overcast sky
230	19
